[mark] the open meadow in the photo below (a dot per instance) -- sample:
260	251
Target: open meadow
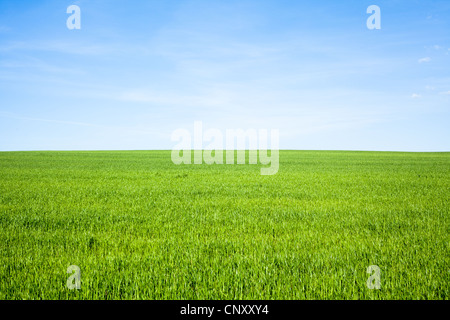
140	227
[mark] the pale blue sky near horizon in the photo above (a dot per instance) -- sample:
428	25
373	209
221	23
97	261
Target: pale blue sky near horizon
138	70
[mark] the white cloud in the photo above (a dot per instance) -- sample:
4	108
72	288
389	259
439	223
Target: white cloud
415	96
446	92
427	59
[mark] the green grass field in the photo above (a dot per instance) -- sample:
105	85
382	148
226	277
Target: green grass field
140	227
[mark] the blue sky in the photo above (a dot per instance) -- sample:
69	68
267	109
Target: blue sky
138	70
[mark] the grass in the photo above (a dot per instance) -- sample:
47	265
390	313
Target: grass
140	227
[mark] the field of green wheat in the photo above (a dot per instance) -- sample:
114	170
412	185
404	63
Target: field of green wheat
140	227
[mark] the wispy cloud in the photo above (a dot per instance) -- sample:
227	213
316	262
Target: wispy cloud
75	123
19	117
415	96
445	92
66	47
30	63
426	59
213	98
